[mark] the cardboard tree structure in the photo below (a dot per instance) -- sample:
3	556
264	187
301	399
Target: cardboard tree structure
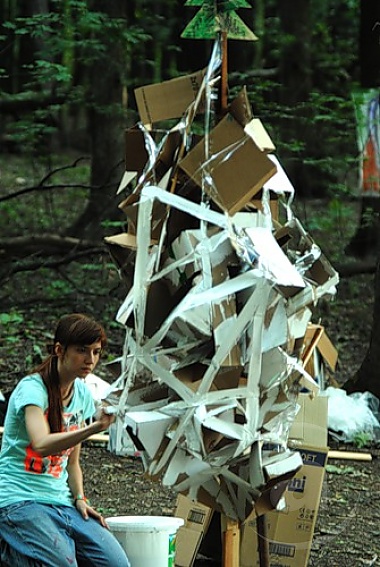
219	296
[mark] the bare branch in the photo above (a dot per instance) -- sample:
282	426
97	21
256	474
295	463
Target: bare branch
40	262
45	244
38	188
351	269
63	168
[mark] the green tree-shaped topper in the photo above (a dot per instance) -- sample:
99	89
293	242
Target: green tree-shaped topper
218	16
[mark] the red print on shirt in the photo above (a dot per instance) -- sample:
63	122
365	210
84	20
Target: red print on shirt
52	464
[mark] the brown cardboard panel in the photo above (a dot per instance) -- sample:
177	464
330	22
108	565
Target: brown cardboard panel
125	240
169	99
197	519
130	208
122	248
192	375
321	271
177	221
124	258
240	108
136	153
256	204
187	545
237	166
316	337
290	531
328	351
159	304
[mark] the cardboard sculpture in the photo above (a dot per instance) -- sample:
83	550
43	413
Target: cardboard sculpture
219	296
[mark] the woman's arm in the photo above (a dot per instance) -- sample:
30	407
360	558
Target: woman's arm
74	471
75	480
46	443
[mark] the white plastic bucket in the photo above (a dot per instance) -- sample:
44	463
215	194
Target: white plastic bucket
149	541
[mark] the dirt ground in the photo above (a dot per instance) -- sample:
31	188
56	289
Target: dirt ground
348	527
348	524
347	530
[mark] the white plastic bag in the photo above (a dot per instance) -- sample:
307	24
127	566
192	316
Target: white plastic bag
351	415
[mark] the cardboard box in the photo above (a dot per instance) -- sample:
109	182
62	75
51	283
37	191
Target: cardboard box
290	531
197	519
310	424
237	166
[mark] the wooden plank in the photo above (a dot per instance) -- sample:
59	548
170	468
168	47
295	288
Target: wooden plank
344	455
231	542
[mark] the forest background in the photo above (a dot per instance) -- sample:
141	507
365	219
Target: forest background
68	71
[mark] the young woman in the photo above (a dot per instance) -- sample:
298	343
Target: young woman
45	518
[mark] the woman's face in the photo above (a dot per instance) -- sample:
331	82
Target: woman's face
77	360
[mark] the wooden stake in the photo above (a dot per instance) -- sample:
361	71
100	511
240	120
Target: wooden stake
262	540
231	542
224	77
349	456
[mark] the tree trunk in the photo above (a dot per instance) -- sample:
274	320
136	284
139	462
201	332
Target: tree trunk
106	128
295	68
295	77
367	378
366	239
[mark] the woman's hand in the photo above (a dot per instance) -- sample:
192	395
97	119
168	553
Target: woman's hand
88	511
104	418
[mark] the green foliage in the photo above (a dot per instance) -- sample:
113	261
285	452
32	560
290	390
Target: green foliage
57	288
43	210
362	439
113	224
318	132
72	38
333	469
10	323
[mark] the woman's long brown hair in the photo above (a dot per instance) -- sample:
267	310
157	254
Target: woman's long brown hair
73	329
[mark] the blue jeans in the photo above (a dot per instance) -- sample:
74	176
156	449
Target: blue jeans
43	535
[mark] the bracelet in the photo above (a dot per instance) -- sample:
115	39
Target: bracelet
81	497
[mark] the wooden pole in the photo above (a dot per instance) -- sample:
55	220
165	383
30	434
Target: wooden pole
223	99
231	542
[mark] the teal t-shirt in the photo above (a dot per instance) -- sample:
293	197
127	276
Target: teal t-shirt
24	474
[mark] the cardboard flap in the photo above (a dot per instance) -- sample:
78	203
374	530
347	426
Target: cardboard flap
152	100
240	108
255	129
